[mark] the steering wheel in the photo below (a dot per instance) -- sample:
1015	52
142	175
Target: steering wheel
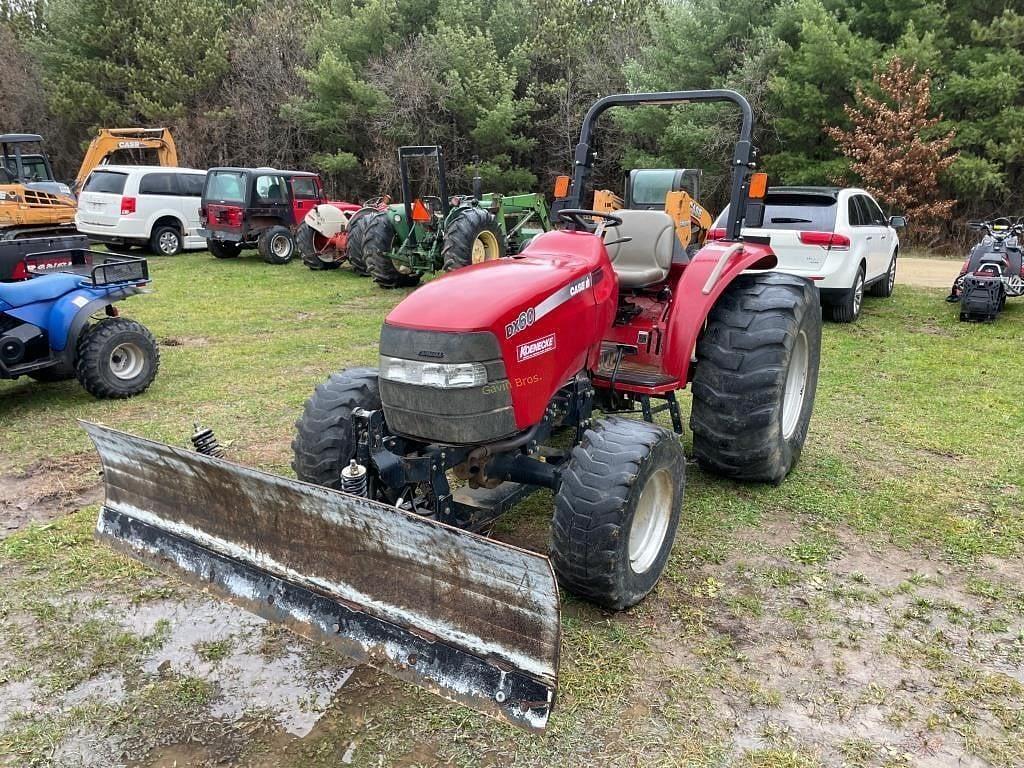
582	219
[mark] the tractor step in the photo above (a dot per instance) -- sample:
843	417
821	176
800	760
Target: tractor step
472	620
477	508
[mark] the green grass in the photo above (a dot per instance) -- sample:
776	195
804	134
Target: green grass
913	460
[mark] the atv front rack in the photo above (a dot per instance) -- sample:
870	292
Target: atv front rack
470	619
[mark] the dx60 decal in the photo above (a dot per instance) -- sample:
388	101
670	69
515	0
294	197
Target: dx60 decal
556	299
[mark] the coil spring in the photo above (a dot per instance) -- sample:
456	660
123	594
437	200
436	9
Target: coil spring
205	442
354	479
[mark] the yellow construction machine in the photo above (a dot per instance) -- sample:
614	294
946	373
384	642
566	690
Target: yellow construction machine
128	146
674	190
32	202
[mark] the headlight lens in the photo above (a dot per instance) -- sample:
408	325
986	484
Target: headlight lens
440	375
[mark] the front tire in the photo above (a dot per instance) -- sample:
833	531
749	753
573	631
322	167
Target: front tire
312	248
756	377
617	510
277	245
323	443
166	240
223	250
117	358
473	237
847	308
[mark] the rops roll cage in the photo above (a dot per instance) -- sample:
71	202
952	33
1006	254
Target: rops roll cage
744	159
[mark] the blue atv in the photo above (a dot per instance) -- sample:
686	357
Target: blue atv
48	332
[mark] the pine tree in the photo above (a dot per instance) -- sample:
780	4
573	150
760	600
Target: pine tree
893	149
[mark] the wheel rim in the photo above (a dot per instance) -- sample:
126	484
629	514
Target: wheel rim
650	521
892	274
858	294
280	246
127	361
485	248
168	242
796	385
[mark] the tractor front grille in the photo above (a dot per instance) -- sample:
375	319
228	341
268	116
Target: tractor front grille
462	416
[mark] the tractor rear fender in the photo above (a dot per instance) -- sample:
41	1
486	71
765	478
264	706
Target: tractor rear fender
703	280
328	219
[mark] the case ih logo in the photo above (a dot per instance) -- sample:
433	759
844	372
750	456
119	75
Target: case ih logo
577	288
521	323
535	348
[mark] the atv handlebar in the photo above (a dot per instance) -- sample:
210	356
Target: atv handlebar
744	156
1000	228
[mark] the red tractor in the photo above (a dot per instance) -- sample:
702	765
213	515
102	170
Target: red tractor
260	208
333	233
495	381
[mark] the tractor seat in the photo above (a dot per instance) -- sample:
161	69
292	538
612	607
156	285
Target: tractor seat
44	288
647	257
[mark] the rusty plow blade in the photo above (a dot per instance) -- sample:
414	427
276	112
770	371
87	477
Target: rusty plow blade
472	620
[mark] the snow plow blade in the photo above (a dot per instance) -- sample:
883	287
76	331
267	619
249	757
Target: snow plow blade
470	619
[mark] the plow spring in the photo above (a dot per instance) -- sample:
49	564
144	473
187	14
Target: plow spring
472	620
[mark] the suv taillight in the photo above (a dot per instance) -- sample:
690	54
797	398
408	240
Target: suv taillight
127	206
827	240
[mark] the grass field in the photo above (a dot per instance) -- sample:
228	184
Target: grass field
869	611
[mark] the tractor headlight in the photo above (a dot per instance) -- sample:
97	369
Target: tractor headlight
440	375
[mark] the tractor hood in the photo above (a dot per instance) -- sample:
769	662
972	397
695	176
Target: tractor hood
491	295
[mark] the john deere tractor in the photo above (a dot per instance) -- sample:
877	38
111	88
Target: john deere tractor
429	233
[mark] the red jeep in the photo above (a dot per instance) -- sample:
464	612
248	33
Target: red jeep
259	208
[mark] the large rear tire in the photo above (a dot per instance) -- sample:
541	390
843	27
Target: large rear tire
472	237
311	249
356	233
116	358
379	241
617	510
756	377
323	443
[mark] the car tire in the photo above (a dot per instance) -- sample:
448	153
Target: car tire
223	250
883	288
617	510
166	240
847	308
277	245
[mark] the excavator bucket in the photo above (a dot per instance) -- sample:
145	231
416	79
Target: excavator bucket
470	619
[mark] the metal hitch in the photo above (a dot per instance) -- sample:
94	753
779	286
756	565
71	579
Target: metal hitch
473	620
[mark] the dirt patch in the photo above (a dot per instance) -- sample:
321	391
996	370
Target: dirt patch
48	489
184	341
927	273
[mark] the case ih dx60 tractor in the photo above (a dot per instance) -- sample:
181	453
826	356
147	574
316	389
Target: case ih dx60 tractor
509	376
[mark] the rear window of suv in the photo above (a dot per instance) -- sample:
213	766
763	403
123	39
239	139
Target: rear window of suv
800	211
109	182
226	187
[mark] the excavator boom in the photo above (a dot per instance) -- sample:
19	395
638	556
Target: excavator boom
132	146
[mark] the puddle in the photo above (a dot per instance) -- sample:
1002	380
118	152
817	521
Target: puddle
222	644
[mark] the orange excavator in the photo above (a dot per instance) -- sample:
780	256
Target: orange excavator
34	204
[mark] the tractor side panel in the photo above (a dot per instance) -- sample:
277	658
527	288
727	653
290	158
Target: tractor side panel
696	293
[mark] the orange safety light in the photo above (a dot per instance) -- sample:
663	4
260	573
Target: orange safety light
758	186
420	213
561	187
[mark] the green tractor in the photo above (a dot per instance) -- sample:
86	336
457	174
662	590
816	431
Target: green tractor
425	234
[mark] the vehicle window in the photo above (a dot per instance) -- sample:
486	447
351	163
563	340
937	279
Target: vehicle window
855	212
795	210
875	215
34	165
110	182
191	184
304	188
651	186
225	187
158	184
270	189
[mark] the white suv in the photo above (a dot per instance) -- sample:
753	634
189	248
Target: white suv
839	238
143	205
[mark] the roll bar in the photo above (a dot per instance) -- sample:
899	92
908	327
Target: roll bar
744	156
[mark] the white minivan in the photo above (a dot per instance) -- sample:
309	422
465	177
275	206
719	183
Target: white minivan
145	205
837	237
